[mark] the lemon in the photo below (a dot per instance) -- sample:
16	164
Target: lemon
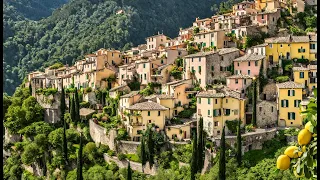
304	148
290	152
307	126
300	153
304	137
283	162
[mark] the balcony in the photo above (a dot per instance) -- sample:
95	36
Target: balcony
136	124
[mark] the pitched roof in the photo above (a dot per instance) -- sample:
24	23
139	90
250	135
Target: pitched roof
313	67
199	54
239	76
131	94
301	68
210	94
286	39
250	57
227	50
289	85
160	96
117	88
147	106
260	45
86	111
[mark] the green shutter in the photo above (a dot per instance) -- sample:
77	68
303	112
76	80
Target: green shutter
208	112
214	113
294	116
287	103
148	113
288	92
293	91
282	105
288	115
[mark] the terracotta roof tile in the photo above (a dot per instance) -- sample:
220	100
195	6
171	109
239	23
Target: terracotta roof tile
250	57
290	85
147	106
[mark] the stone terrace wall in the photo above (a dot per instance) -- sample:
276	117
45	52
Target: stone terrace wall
134	165
99	135
253	139
51	106
128	147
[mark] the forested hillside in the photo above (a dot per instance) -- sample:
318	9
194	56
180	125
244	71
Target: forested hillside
82	26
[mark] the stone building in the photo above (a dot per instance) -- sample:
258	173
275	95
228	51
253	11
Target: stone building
266	113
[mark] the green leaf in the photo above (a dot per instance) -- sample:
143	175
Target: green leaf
311	128
307	172
315	92
298	170
277	171
310	161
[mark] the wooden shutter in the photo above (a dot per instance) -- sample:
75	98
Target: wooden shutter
282	103
294	116
288	115
293	91
288	92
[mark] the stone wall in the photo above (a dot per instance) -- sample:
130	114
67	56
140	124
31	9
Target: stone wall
90	97
10	138
99	135
51	106
134	165
128	147
266	113
252	140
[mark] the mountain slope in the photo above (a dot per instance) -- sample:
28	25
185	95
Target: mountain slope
83	26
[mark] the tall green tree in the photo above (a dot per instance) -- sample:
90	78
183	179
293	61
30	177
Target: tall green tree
79	160
194	160
222	158
129	175
143	153
70	103
77	107
239	144
254	103
65	145
73	110
63	104
150	145
30	88
201	146
262	80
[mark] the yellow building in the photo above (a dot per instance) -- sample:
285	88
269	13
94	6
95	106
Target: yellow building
178	132
289	96
143	114
290	47
217	108
306	76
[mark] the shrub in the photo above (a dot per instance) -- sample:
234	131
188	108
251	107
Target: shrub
122	134
232	126
133	157
84	104
56	66
50	91
94	116
187	113
87	90
249	128
122	156
111	153
291	131
281	79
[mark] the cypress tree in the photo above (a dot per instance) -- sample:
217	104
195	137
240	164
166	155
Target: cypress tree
254	103
62	105
239	153
201	141
194	160
129	176
222	158
64	146
30	88
77	107
143	153
150	147
70	103
79	161
72	110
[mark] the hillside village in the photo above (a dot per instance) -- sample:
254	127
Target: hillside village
209	71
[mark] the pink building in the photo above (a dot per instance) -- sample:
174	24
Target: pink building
239	82
243	8
249	64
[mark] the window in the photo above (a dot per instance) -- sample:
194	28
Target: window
216	123
199	81
149	121
148	113
291	92
218	132
212	68
271	108
312	46
256	63
144	65
208	100
199	100
301	75
260	109
227	112
199	59
158	113
191	59
199	69
248	72
145	76
262	16
296	103
216	101
291	116
238	64
204	36
281	45
216	112
249	63
208	112
226	100
270	45
235	112
192	69
244	81
236	81
161	61
284	103
122	76
112	54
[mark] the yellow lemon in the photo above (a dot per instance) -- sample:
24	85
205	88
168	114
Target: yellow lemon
304	148
300	153
283	162
307	126
290	152
304	137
